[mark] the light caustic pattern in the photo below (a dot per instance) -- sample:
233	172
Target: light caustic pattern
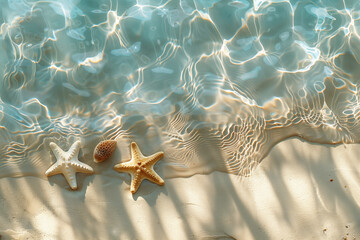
214	84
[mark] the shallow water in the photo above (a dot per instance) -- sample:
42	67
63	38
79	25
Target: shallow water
213	84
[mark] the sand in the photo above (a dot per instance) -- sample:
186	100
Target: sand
299	191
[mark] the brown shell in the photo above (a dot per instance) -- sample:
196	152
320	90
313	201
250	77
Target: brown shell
104	150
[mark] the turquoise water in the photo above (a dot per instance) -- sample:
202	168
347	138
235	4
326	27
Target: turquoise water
214	84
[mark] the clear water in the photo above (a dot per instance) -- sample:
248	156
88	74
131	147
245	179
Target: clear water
214	84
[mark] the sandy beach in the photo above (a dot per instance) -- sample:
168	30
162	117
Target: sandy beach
299	191
223	95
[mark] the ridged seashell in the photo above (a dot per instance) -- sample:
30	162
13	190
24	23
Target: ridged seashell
104	150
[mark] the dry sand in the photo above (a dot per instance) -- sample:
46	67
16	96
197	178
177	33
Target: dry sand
299	191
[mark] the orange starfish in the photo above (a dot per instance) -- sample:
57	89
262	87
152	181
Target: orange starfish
140	168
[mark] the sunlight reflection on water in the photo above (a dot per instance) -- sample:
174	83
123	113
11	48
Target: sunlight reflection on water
214	84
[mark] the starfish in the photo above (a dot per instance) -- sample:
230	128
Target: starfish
140	168
68	164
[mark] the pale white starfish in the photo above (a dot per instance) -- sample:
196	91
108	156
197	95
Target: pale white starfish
68	164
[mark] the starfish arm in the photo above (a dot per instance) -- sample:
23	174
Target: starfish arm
125	167
74	149
135	151
82	167
53	170
58	152
150	160
152	176
70	176
135	182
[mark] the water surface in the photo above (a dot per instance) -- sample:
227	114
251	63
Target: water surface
214	84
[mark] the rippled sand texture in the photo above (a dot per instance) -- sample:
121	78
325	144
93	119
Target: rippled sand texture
214	84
